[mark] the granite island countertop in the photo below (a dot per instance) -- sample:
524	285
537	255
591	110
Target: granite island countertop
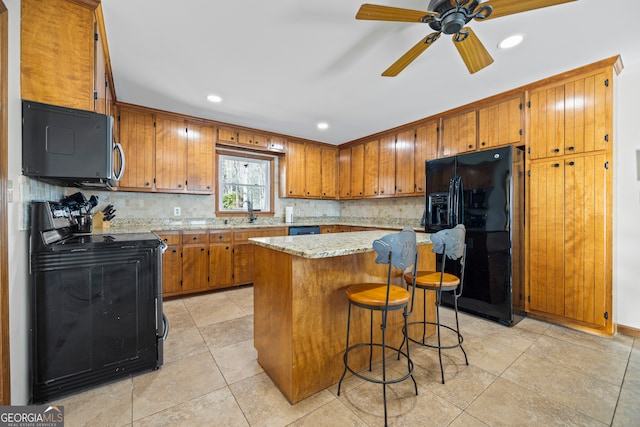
328	245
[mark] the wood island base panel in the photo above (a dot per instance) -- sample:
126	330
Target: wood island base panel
300	315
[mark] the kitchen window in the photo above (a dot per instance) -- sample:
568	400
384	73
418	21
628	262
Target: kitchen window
242	179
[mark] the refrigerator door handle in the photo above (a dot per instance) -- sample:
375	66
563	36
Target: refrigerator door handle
451	203
460	201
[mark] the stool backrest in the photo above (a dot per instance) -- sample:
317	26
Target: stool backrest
449	242
399	249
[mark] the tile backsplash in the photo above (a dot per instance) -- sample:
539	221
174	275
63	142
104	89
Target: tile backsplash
157	209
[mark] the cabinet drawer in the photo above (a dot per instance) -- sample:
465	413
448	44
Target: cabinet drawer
220	236
245	234
195	237
170	237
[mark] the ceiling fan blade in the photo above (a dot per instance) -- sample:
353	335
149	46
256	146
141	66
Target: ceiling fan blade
472	51
388	13
412	54
509	7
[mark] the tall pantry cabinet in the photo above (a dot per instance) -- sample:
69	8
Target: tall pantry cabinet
570	200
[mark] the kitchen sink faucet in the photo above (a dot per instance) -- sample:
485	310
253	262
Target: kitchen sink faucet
252	217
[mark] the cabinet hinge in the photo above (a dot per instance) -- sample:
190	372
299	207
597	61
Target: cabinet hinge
529	104
208	279
529	172
520	132
95	95
529	150
180	282
606	138
606	315
529	298
106	83
606	165
606	82
520	106
95	36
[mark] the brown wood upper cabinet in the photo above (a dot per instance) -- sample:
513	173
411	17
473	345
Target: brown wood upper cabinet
137	137
407	161
357	170
171	154
248	139
570	118
200	157
308	171
344	173
254	140
500	124
426	149
57	51
459	134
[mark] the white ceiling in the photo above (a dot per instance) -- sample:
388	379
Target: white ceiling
284	65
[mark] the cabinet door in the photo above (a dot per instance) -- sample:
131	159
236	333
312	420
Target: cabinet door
344	171
200	156
329	172
294	173
406	163
546	236
459	134
426	149
357	170
226	135
220	265
172	270
546	125
242	263
370	170
585	114
137	136
585	239
500	124
99	73
57	53
171	154
312	171
195	267
387	166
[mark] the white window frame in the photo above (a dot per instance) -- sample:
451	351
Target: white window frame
268	187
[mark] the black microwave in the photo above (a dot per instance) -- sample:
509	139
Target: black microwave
69	147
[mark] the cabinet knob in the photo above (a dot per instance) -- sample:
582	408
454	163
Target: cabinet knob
165	240
556	165
470	146
571	148
174	251
195	238
179	185
146	184
557	150
208	187
572	163
483	143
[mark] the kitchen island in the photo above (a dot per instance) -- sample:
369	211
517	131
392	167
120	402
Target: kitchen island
300	306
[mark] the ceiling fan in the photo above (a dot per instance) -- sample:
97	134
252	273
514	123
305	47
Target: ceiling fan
450	17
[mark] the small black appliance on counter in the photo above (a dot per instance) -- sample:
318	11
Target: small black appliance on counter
95	303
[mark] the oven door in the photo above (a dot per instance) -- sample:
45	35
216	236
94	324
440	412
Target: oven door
94	317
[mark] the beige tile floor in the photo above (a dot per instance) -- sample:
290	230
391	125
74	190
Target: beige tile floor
534	374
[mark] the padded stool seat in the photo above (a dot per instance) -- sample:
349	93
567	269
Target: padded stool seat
430	280
375	295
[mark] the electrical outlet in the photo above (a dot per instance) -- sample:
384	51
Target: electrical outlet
177	211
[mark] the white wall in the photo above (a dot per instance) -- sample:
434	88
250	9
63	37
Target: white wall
627	210
627	199
18	272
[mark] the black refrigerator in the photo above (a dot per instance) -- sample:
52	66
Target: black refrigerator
485	192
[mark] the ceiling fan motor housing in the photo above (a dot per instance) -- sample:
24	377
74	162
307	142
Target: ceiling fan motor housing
452	18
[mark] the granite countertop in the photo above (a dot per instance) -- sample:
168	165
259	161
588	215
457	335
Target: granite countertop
328	245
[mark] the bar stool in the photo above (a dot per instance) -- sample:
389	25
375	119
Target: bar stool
398	250
450	244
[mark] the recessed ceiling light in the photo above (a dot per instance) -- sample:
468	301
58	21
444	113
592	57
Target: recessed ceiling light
214	98
323	125
511	41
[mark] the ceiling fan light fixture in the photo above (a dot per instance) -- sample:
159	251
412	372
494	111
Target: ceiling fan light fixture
214	98
511	41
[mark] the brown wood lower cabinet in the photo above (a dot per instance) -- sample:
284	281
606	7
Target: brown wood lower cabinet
202	260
